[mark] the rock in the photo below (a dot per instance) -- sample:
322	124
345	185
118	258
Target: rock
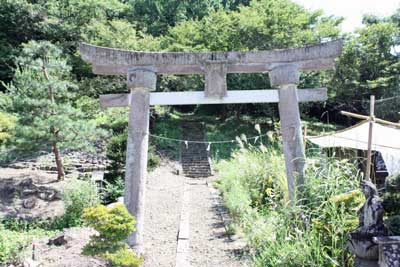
29	203
28	192
120	200
48	194
57	241
19	165
7	192
26	183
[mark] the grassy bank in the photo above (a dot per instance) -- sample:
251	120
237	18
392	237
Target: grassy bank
311	233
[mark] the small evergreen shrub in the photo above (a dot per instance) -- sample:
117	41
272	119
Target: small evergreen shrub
113	225
123	257
112	191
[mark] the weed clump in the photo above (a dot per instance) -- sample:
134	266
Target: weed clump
77	196
311	232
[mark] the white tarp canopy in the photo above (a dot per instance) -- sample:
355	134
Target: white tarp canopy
385	139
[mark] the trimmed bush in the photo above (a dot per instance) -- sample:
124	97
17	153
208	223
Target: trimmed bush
123	257
113	225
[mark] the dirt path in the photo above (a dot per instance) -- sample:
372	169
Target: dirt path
208	244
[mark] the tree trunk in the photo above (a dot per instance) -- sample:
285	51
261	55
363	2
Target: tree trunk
59	164
57	156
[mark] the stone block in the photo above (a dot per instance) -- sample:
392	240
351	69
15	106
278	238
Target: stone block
284	74
142	79
215	84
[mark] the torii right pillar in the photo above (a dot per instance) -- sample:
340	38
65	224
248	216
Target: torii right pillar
286	78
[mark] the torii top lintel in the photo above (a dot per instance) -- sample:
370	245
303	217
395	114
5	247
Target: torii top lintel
109	61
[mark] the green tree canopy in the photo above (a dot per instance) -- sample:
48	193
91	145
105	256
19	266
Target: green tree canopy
156	16
20	22
368	65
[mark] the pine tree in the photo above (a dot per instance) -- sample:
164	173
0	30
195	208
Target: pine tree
43	94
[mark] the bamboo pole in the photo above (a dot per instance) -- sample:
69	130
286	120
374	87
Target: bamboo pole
371	118
363	117
371	125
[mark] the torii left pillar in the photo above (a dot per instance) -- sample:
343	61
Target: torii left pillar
140	82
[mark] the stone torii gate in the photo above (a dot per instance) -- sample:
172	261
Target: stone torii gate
142	68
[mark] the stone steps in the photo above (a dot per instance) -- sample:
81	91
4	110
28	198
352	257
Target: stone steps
194	156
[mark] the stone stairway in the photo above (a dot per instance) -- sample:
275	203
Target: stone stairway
194	156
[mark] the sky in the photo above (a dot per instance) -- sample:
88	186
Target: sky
352	10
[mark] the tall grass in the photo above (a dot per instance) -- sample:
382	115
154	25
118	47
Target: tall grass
311	233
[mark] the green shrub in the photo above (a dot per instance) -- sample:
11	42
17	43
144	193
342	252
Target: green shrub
116	151
123	257
11	244
77	196
112	191
113	225
253	177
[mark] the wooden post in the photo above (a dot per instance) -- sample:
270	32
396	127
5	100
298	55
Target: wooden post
286	77
140	82
371	125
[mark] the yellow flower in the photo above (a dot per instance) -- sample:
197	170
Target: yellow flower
269	190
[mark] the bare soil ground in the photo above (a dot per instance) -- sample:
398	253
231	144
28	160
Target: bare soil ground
30	194
68	255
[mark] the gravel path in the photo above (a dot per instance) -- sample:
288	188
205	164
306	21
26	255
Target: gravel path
162	213
208	244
